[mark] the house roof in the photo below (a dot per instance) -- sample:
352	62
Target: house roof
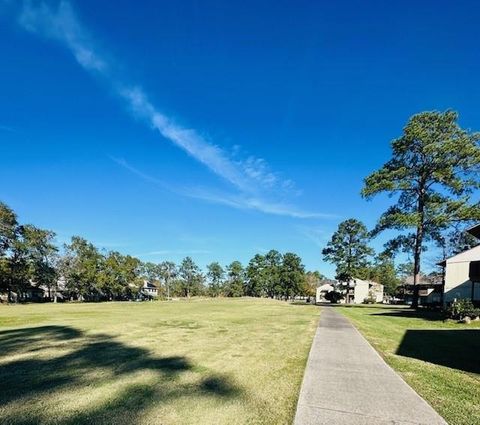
475	231
369	282
466	255
325	287
424	280
428	281
472	254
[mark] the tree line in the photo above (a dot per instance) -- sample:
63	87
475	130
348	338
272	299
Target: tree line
29	258
433	177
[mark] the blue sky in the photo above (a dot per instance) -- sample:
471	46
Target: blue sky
218	129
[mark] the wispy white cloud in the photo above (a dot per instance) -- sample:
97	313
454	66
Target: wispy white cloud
146	177
246	202
258	187
314	234
240	201
187	139
62	25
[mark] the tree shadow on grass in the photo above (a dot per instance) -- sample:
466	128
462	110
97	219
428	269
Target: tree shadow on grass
32	339
40	374
219	386
430	315
394	311
457	349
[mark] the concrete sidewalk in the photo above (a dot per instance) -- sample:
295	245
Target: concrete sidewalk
347	382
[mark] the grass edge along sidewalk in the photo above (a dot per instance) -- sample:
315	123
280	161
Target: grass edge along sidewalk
438	359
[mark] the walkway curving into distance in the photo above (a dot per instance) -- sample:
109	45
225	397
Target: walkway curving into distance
347	382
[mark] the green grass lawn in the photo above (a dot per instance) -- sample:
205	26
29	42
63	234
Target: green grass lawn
225	361
440	360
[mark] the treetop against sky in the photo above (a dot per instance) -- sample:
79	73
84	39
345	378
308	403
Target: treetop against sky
222	130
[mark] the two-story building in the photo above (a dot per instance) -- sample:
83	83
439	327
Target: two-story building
356	291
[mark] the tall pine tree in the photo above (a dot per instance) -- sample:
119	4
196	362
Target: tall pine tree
433	171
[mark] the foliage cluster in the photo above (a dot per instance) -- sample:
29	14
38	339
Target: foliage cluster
348	249
433	175
462	308
334	296
29	260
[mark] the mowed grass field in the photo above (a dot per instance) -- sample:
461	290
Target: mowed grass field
440	360
222	361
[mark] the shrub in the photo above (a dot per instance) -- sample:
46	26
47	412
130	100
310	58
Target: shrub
369	300
462	308
334	296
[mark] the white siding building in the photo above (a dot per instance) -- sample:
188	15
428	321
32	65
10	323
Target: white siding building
462	273
355	292
149	289
359	290
323	290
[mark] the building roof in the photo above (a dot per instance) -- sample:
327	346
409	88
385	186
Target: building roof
326	287
369	282
472	254
466	255
424	281
475	231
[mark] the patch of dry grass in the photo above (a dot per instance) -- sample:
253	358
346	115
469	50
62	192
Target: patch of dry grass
225	361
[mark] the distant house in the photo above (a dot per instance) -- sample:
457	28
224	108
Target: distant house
57	292
430	290
34	293
356	291
325	286
462	273
376	292
31	293
149	289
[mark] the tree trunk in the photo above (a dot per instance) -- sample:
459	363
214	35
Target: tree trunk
418	249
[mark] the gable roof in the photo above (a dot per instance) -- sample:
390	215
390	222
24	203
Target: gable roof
472	254
475	231
424	280
465	255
